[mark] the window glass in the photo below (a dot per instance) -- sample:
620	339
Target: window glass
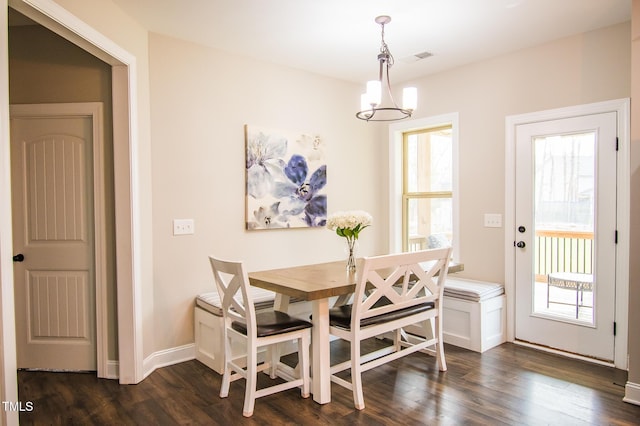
430	222
428	189
429	161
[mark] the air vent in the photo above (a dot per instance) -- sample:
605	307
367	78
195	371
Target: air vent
423	55
417	57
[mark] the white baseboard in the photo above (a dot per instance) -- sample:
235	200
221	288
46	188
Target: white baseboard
632	393
113	370
168	357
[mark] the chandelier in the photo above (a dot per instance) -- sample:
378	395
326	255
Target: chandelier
371	102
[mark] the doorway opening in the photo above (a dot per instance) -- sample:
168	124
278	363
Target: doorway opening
128	366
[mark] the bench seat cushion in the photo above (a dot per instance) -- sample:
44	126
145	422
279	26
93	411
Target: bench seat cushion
340	316
474	291
210	302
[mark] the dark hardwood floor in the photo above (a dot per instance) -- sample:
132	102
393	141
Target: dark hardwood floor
508	385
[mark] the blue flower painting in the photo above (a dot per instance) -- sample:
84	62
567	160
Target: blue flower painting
286	175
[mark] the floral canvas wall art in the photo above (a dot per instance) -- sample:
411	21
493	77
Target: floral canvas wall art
286	175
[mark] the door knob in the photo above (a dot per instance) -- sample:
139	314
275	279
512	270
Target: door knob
18	257
520	244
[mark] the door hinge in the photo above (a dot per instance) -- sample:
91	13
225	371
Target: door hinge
615	238
614	328
617	143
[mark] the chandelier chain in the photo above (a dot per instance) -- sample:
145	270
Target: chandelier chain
384	49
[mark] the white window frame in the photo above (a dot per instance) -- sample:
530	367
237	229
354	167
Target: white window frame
396	131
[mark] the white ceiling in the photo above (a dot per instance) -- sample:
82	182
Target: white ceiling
339	38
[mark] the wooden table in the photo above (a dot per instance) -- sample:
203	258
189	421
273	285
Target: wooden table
315	283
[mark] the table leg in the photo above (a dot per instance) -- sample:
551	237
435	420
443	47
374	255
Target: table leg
281	302
320	349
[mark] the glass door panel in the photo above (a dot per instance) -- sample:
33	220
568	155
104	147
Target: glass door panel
564	211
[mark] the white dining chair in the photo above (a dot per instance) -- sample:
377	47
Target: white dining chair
392	291
256	331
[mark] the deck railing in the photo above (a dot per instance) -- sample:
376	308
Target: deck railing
562	251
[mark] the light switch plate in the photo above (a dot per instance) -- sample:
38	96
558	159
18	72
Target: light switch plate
183	227
493	220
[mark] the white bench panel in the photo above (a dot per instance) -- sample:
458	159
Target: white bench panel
474	325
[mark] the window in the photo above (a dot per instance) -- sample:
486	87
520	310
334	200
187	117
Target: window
427	188
423	184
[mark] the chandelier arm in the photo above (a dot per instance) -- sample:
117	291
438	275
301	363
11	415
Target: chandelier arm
389	89
373	112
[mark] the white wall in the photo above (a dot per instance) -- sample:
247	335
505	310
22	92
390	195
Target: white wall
587	68
200	101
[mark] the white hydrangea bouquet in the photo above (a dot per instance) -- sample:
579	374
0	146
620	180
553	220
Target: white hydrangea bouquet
349	225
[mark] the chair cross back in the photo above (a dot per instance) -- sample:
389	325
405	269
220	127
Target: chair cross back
409	284
229	281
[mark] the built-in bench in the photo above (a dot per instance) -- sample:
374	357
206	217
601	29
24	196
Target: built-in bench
474	314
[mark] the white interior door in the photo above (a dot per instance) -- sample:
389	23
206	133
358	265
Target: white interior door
52	199
566	234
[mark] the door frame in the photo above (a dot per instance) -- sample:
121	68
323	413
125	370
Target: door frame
93	111
129	366
622	108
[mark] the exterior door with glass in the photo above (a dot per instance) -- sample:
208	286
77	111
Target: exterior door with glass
566	234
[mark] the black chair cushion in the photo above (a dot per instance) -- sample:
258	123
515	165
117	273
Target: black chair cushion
273	322
340	316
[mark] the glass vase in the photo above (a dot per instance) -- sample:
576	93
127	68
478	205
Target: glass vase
351	260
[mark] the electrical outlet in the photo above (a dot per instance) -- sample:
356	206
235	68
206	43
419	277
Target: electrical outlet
493	220
183	226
